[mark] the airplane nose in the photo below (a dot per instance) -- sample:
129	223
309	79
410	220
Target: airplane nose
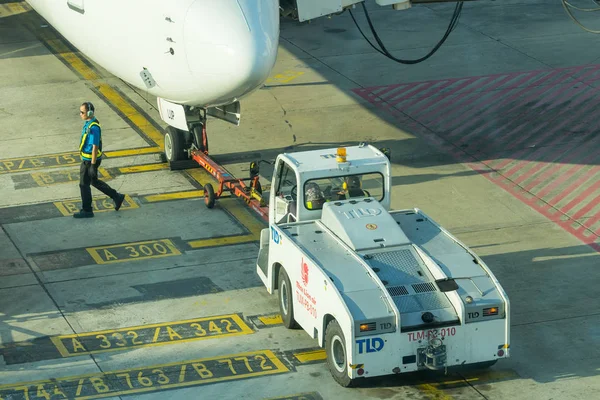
232	39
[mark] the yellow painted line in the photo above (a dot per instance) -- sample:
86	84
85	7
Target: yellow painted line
39	162
99	204
133	251
151	378
62	51
16	8
239	211
132	152
299	396
433	392
481	377
143	168
285	77
271	319
134	116
223	241
308	356
21	164
174	196
151	335
242	214
12	9
66	176
201	176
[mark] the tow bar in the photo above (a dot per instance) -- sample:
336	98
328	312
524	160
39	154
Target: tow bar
249	189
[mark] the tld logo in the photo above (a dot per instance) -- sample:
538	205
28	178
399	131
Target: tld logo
275	236
369	345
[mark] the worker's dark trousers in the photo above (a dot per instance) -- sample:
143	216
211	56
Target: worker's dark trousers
88	174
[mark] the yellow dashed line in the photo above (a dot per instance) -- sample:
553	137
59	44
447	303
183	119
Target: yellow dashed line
143	168
309	356
174	196
271	319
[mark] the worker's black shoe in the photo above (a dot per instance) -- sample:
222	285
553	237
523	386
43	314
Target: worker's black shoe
118	201
84	214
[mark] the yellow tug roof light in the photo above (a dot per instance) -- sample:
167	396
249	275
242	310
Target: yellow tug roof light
341	154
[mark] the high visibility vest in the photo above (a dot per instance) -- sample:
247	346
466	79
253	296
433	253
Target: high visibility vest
84	137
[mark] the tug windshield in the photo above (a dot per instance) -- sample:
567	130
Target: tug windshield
321	190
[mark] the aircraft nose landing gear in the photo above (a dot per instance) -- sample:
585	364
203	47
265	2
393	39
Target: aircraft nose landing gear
193	144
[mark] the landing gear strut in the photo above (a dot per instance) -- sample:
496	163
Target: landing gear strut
193	144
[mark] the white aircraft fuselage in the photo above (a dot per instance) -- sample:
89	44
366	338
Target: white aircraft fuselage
201	53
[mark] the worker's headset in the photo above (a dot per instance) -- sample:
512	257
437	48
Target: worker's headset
90	109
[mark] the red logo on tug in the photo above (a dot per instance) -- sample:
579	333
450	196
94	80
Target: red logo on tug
304	271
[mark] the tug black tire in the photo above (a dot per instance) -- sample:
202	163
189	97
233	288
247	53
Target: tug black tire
286	301
337	355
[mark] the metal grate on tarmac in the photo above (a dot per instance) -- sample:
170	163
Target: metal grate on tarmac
535	134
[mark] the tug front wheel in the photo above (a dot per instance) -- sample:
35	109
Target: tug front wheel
337	356
286	302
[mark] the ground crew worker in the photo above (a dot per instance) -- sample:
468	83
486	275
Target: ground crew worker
314	196
90	151
352	188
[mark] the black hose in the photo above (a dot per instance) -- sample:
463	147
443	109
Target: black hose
385	52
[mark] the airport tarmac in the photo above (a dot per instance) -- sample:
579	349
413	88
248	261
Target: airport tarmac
494	137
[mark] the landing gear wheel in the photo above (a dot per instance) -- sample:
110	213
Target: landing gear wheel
335	348
174	141
209	195
200	137
286	304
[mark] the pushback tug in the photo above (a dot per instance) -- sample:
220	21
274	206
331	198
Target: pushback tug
383	291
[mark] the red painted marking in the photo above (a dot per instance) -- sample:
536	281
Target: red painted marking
572	155
565	110
391	88
444	96
427	105
579	199
500	104
525	89
409	93
449	113
459	99
590	223
578	183
450	124
485	142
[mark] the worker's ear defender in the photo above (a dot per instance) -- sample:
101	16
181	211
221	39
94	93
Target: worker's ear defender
90	109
